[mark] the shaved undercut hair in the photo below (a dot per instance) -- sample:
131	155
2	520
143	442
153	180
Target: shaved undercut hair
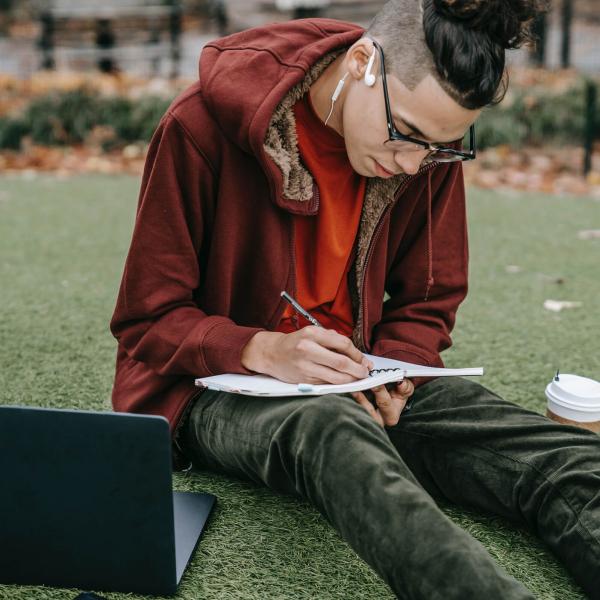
398	27
461	43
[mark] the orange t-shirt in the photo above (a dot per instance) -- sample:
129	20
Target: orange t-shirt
324	241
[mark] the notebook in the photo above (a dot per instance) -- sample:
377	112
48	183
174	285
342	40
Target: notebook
386	370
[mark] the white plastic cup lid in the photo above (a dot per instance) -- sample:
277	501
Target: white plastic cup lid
575	398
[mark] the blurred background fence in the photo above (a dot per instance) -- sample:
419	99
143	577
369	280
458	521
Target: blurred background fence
52	53
164	37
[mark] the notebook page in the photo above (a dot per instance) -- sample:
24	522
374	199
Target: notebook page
263	385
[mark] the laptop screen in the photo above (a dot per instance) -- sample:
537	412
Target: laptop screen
87	500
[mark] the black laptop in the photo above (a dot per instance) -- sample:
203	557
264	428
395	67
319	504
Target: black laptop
87	502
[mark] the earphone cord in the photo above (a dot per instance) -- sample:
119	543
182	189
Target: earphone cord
335	96
330	112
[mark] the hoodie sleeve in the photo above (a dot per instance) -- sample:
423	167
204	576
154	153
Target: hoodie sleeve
428	279
156	319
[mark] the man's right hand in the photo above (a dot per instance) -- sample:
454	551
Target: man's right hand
309	355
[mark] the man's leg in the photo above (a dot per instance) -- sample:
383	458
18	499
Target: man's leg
467	445
329	451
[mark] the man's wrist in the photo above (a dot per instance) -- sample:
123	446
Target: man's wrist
256	353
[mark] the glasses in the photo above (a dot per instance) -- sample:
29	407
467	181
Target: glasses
404	143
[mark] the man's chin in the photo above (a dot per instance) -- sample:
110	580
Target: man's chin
362	168
359	168
366	168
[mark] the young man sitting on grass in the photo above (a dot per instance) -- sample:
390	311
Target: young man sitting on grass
318	158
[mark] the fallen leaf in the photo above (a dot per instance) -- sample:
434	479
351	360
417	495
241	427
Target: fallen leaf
589	234
558	305
593	178
132	151
552	278
513	269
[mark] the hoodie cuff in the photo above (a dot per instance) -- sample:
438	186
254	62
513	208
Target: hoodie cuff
222	348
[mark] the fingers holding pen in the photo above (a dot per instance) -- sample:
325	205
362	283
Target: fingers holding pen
331	353
331	339
336	352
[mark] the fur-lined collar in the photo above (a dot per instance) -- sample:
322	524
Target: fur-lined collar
281	141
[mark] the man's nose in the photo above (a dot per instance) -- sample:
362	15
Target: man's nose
410	162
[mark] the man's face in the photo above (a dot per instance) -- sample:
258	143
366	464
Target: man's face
437	117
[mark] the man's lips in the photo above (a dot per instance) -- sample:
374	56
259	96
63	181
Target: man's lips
382	171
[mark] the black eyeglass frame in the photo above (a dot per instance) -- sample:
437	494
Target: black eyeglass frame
396	136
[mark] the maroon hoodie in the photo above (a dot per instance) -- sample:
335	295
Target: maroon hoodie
213	243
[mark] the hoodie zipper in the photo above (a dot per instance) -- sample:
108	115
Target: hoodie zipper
293	291
293	268
292	248
362	303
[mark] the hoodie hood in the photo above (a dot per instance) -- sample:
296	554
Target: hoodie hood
250	81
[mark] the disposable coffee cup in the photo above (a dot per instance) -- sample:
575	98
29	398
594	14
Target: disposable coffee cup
574	400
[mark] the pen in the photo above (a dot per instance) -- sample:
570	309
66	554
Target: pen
305	314
299	309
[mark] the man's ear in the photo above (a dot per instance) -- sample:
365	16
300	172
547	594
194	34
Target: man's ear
357	58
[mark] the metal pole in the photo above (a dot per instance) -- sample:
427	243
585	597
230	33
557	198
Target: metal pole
105	43
5	8
591	96
567	18
46	41
540	28
153	42
306	12
175	31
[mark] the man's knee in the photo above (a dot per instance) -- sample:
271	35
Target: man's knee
454	390
329	411
323	420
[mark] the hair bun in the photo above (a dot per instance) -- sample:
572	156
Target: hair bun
507	21
461	9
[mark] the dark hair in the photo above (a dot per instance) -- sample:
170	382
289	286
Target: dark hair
467	39
461	43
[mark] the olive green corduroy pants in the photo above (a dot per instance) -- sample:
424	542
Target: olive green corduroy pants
376	486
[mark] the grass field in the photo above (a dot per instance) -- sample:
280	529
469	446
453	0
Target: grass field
62	247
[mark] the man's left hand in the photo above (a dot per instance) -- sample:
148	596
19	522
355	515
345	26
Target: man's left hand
390	403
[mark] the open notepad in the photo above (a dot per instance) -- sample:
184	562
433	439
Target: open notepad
386	370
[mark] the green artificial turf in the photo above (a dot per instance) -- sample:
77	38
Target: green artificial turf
62	247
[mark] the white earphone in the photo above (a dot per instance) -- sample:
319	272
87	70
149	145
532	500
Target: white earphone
370	80
369	77
336	95
338	89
